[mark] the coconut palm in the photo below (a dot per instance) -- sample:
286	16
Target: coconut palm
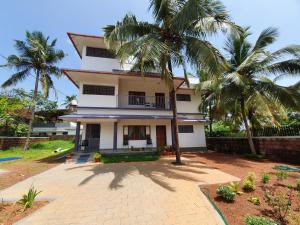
37	57
68	100
245	88
178	36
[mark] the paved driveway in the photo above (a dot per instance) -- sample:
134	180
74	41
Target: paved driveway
129	193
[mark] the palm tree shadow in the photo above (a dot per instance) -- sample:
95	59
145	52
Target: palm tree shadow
159	172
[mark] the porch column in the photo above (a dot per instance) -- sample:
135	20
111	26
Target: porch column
115	135
77	137
173	133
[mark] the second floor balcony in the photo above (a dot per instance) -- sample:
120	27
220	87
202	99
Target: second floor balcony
140	101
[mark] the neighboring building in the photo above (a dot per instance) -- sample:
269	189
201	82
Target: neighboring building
122	110
52	129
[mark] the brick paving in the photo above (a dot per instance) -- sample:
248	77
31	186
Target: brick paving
144	193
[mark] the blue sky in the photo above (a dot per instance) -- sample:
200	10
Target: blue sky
56	17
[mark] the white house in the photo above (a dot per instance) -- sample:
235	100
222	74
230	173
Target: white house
121	110
52	129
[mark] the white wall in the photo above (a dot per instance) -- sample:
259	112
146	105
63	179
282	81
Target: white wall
188	107
106	135
196	139
101	64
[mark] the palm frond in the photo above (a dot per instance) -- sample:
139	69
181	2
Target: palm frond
267	37
15	78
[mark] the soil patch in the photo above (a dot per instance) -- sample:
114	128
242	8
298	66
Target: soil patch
13	212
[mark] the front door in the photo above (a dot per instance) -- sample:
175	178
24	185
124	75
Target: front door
160	100
93	137
161	136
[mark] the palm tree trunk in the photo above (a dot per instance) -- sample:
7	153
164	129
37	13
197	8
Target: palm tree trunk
249	135
210	119
174	110
26	146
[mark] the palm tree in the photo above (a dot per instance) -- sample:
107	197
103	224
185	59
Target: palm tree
177	37
68	100
37	57
245	88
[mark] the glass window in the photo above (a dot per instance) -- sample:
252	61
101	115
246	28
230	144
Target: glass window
185	129
183	97
98	90
137	132
99	52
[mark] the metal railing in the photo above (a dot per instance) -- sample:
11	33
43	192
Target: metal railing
144	102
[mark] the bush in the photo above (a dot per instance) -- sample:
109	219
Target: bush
97	157
281	175
28	199
249	182
259	220
226	193
265	178
254	200
298	184
234	186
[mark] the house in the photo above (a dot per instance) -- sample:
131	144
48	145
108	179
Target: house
121	110
53	129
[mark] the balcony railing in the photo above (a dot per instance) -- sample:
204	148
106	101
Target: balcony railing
143	102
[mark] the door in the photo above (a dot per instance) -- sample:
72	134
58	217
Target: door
160	100
93	137
161	136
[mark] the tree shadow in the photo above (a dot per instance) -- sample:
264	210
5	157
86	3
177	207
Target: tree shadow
159	172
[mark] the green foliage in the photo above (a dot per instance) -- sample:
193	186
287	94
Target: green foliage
254	200
280	203
28	199
259	220
298	184
249	182
234	186
226	193
97	156
128	158
265	178
254	156
281	175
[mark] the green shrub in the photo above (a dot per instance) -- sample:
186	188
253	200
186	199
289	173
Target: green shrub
254	200
265	178
28	199
249	182
234	186
226	193
254	156
97	157
281	175
298	184
259	220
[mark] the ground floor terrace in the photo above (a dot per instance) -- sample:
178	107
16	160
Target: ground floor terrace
134	134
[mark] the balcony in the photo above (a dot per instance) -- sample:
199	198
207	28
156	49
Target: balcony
144	102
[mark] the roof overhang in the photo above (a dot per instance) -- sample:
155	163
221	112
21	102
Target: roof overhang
80	40
79	117
76	75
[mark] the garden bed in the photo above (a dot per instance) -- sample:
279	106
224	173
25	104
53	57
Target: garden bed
236	211
13	212
128	158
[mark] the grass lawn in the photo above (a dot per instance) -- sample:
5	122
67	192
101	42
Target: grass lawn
38	158
37	150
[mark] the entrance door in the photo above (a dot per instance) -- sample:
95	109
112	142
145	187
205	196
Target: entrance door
161	136
93	137
160	100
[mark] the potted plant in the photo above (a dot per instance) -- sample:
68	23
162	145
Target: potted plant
97	157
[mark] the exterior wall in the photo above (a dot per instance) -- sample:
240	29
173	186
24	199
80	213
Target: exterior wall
284	149
106	135
188	107
192	140
99	100
101	64
7	142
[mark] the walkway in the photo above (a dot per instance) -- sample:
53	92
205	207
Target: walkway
129	193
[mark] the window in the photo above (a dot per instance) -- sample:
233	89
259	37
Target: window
99	52
136	132
136	98
65	133
185	129
183	97
98	90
